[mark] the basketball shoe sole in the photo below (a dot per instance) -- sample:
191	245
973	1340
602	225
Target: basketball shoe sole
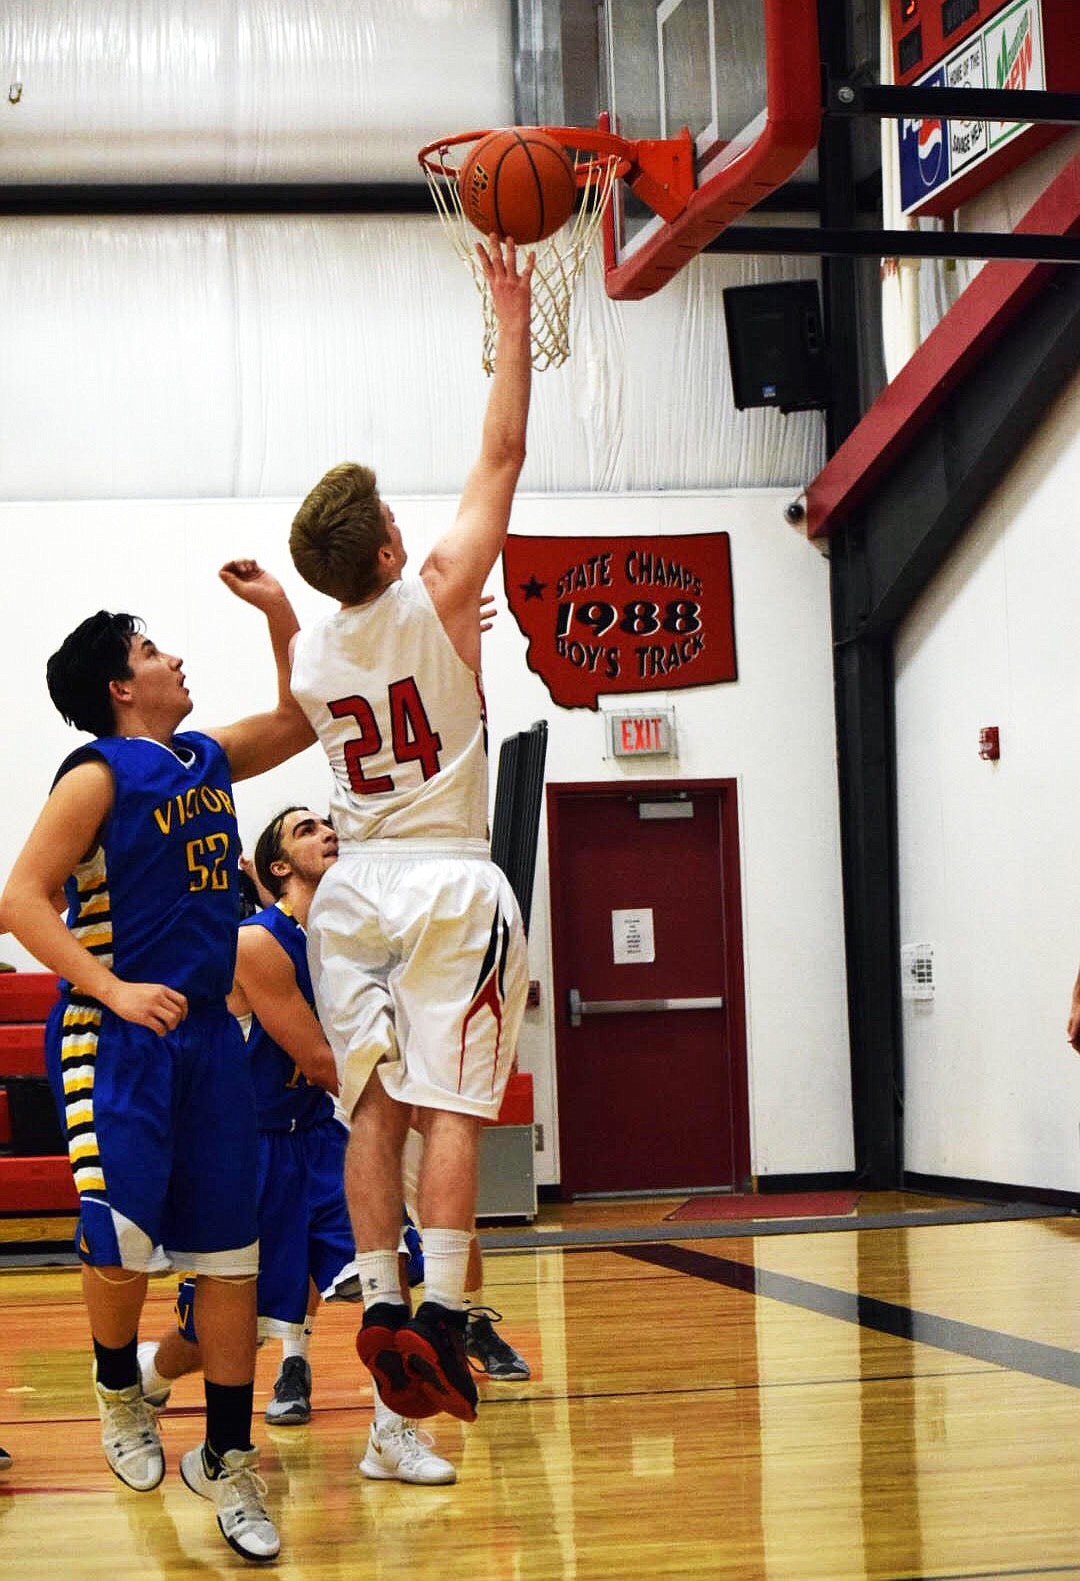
433	1345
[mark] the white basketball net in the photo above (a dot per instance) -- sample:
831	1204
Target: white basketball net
559	259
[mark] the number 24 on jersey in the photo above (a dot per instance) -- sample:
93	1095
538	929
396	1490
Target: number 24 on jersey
412	738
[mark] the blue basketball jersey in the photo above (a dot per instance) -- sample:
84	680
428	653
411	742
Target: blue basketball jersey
284	1098
158	898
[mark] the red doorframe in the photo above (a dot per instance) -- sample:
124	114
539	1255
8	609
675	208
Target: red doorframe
559	882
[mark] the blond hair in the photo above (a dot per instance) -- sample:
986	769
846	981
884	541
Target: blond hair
337	534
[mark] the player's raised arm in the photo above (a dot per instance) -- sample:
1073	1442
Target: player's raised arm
262	741
458	566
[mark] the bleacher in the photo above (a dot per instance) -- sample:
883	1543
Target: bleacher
34	1172
35	1177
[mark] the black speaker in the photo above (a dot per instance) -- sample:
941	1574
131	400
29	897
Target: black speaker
776	346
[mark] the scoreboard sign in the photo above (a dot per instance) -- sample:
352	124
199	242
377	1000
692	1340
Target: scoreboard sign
975	44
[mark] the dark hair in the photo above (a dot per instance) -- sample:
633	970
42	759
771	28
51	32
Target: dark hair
337	534
79	672
268	849
250	900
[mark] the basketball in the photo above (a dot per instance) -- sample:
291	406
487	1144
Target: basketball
517	182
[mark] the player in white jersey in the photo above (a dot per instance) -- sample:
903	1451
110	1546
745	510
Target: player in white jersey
414	937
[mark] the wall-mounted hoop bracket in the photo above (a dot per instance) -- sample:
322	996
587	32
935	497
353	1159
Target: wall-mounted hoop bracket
662	173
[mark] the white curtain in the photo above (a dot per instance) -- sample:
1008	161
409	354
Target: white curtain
219	357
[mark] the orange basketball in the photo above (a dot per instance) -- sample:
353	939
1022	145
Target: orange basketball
517	182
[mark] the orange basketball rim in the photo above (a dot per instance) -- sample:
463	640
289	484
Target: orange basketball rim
661	173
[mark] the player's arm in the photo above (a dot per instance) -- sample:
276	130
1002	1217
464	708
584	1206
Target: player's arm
266	978
66	830
262	741
59	901
458	566
1074	1016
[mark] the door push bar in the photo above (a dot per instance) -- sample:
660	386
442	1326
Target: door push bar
579	1007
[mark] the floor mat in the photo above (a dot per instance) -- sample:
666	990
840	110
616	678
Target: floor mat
782	1205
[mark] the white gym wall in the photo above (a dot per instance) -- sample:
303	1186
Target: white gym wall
771	731
989	852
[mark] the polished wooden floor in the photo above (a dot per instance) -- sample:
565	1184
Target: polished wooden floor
893	1400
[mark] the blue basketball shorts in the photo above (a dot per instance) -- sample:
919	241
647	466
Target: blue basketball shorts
304	1231
161	1138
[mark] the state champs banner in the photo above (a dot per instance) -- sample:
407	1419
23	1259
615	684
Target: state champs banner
603	616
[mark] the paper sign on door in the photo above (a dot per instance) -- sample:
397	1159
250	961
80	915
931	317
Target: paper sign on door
632	936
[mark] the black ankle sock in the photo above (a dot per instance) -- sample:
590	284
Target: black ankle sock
117	1369
228	1416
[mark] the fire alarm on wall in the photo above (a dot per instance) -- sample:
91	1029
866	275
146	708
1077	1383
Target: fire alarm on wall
989	743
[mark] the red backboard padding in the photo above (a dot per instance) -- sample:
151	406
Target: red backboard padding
789	131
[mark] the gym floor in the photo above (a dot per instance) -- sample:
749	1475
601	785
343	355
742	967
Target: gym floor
887	1394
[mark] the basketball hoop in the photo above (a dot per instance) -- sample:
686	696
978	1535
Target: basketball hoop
599	158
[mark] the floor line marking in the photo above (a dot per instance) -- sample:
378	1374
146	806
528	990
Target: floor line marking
1010	1351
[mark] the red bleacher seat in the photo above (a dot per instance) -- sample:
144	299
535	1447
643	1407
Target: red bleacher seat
22	1050
28	1184
27	996
35	1185
517	1104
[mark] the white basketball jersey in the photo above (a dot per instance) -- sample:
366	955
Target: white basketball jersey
401	718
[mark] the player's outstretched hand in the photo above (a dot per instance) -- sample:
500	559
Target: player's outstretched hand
509	282
248	580
150	1005
488	611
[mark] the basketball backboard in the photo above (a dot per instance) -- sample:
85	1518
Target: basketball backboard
744	77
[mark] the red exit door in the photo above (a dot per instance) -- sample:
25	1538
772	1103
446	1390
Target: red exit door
648	980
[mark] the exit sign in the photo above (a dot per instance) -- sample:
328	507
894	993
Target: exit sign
642	735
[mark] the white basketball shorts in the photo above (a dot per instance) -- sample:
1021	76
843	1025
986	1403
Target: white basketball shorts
419	966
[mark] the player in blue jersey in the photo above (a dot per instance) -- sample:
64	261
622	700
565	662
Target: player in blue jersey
304	1230
139	837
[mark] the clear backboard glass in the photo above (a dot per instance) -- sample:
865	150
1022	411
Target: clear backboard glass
675	63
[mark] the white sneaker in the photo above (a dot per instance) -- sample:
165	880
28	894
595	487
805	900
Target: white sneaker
238	1491
129	1437
5	1460
147	1354
397	1452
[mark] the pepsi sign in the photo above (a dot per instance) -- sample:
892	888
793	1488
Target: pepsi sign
924	152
